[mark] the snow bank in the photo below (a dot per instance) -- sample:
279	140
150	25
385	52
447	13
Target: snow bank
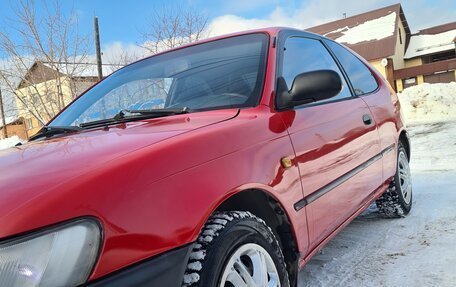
426	103
9	142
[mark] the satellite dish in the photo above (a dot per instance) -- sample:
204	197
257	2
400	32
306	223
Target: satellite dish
384	62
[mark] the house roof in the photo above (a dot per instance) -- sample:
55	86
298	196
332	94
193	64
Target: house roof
42	71
438	29
432	40
372	34
9	120
82	70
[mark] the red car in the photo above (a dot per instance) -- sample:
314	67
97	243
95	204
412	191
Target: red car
227	162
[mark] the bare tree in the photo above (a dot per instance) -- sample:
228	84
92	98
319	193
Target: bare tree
171	27
121	56
53	45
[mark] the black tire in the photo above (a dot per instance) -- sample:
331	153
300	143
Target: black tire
222	235
393	203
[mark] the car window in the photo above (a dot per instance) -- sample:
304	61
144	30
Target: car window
360	76
135	95
306	55
226	73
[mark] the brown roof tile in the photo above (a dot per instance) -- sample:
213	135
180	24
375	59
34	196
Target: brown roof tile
437	29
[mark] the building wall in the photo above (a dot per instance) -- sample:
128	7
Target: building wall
413	62
418	72
379	67
386	71
82	86
15	130
41	98
399	52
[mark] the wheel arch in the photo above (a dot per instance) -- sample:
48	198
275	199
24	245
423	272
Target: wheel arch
267	207
405	140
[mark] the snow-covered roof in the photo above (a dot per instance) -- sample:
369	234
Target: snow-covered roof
373	34
429	44
375	29
80	69
8	120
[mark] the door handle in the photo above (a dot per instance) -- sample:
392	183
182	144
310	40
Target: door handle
367	119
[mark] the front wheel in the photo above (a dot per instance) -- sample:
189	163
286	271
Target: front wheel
236	249
397	199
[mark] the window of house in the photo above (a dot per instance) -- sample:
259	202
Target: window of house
408	82
447	55
400	36
360	76
303	55
29	123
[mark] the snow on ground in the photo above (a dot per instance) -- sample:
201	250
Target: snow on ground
9	142
429	103
418	250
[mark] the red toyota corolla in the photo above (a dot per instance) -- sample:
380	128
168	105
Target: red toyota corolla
227	162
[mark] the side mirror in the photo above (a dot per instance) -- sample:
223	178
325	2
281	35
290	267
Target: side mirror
307	88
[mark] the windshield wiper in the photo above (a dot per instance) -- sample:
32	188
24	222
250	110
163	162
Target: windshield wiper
154	112
48	131
123	116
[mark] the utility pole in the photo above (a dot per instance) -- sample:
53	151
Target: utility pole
2	111
97	46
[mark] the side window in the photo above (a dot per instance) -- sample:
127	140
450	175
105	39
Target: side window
303	55
360	76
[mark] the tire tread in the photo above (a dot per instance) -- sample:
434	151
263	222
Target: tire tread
211	230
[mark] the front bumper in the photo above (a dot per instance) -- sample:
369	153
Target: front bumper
166	269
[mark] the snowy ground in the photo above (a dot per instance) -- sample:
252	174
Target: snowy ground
419	250
9	142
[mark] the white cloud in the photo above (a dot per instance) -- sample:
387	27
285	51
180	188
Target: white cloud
118	53
239	6
419	13
231	23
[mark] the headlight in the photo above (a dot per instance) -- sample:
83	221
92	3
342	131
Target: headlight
63	256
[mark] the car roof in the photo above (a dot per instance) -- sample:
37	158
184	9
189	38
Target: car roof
272	31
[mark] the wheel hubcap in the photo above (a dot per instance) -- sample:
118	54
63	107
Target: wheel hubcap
404	177
250	266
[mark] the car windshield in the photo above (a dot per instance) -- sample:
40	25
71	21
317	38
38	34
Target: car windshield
226	73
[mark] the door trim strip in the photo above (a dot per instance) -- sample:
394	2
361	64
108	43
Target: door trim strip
340	180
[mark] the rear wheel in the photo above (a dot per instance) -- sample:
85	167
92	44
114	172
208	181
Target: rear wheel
397	199
236	249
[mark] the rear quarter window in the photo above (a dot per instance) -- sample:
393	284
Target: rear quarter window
360	76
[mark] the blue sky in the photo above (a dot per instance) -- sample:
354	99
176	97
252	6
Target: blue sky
123	21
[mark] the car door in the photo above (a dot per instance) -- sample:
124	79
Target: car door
336	144
378	98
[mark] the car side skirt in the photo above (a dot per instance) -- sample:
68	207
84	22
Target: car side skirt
375	195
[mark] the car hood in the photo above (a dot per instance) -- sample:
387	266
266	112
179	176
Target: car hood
46	164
